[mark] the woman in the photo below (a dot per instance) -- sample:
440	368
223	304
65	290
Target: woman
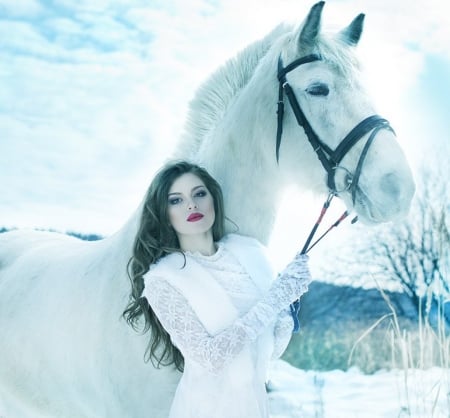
209	299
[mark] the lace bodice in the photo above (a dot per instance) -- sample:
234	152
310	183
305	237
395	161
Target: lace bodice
230	274
213	352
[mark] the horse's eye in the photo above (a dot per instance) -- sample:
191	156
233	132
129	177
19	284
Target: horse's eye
319	89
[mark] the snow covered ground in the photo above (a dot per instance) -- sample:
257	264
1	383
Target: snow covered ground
297	393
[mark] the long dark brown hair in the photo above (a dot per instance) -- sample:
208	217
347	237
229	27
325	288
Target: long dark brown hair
155	239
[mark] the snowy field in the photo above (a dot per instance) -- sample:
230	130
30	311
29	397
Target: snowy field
297	393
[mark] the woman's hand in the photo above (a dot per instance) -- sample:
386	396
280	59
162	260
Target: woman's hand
291	283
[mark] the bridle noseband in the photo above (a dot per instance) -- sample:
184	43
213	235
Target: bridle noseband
330	159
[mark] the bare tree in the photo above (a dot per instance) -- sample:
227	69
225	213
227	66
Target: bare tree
415	252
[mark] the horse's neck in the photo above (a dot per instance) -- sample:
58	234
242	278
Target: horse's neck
252	202
120	244
235	155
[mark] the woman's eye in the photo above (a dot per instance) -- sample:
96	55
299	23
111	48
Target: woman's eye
200	193
174	201
319	89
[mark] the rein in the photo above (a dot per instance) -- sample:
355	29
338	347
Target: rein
330	159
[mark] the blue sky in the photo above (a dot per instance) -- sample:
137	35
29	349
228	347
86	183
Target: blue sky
93	93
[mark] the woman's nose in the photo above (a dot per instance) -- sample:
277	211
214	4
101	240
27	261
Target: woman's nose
192	204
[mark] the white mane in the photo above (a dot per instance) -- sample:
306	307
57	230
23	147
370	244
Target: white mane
213	97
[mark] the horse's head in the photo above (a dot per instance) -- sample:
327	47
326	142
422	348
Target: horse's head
359	155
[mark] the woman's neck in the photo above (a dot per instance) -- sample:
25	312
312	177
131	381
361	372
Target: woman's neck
203	243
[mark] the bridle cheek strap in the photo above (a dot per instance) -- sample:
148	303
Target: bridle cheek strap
299	115
319	147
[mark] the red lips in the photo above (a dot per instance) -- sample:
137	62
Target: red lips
194	217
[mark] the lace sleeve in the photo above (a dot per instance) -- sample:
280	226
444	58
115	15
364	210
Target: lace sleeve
282	333
187	332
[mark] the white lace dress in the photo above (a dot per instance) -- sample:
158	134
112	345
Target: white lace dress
225	365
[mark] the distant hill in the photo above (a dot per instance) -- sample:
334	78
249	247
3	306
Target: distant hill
84	237
326	304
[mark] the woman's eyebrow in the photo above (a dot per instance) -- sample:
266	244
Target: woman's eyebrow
194	188
197	187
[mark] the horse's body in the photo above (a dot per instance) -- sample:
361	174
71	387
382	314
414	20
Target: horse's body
64	351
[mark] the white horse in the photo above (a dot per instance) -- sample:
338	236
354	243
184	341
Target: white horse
64	350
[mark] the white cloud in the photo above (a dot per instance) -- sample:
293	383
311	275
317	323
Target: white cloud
20	8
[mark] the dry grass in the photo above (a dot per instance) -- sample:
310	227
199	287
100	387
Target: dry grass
412	352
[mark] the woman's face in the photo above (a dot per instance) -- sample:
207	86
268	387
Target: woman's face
190	206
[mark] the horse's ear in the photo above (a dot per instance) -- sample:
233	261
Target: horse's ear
352	32
311	27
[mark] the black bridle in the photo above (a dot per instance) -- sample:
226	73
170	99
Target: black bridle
330	159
